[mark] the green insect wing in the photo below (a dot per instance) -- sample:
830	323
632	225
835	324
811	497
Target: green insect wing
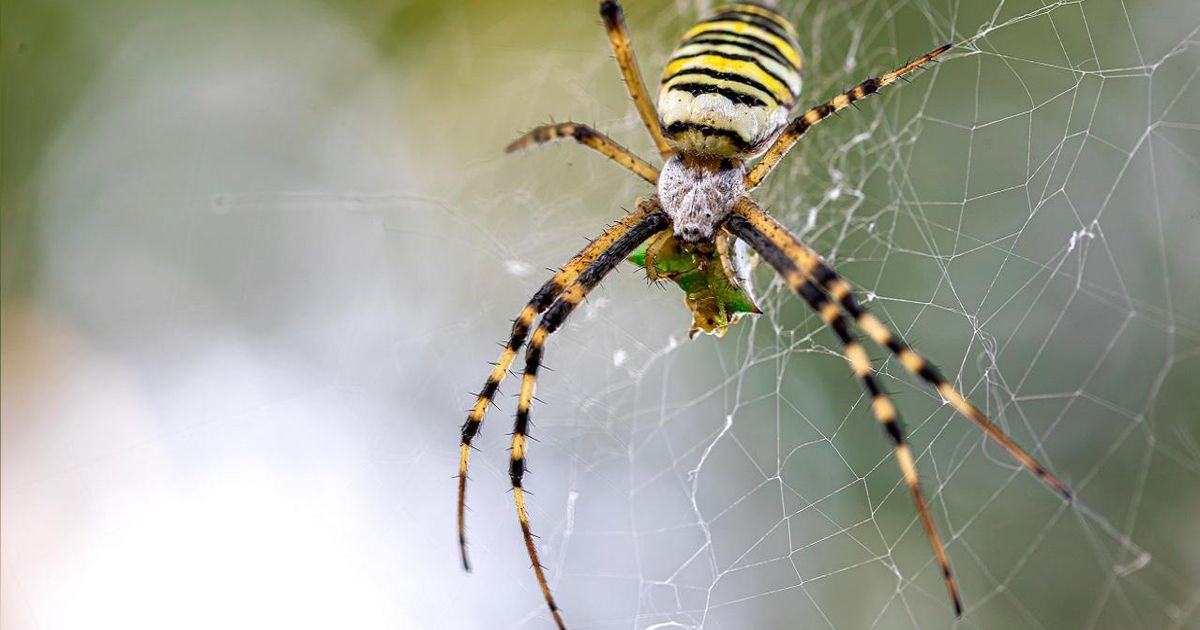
708	279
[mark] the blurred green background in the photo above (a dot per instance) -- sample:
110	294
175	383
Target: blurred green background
255	254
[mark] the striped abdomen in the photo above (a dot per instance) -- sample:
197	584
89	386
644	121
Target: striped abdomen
731	84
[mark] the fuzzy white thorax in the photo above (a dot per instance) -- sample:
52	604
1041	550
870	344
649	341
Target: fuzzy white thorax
698	194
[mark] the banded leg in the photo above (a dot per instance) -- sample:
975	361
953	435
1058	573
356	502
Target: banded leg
791	134
539	303
551	321
614	24
811	264
881	404
587	136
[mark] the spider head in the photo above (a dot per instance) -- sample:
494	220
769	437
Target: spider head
698	193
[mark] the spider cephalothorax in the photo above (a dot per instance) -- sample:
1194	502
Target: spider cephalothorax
725	97
699	193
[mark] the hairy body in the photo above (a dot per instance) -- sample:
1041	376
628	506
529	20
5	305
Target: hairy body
698	193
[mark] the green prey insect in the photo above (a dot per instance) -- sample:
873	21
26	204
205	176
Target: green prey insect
715	278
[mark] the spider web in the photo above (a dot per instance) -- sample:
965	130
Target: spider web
1024	214
254	253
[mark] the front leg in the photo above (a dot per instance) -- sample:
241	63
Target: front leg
655	222
542	300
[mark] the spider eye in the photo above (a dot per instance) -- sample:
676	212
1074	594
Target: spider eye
689	233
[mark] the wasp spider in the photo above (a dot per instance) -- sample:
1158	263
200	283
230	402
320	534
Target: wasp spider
724	99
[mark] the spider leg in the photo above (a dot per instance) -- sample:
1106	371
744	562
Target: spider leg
554	317
805	259
791	134
614	24
587	136
541	300
881	404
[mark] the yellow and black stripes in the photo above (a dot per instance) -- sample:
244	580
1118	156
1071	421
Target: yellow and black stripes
730	85
587	136
738	43
621	248
541	300
618	35
926	371
791	134
756	14
812	266
755	23
882	406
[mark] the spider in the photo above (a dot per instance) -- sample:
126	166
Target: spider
725	99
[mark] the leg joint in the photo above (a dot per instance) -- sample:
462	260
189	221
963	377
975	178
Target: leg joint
610	11
516	471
